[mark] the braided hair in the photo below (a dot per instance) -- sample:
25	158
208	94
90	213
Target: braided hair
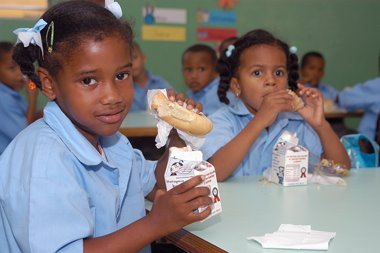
69	24
227	66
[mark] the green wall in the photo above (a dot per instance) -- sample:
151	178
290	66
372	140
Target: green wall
347	32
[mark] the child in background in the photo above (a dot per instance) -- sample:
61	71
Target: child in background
312	71
258	70
15	113
364	96
143	80
70	181
198	69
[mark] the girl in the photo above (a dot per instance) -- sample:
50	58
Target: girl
71	182
258	68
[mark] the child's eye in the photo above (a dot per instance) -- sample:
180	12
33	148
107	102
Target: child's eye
257	73
279	73
88	81
122	76
201	69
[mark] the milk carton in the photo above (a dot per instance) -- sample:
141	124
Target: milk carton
289	161
184	164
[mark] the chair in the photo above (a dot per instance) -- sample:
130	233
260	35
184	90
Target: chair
363	152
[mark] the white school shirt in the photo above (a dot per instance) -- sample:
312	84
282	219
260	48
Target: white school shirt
56	190
230	120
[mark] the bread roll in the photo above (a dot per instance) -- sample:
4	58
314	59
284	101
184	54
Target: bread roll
297	102
179	117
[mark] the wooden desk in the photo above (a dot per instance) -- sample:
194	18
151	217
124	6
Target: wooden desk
343	114
253	208
139	124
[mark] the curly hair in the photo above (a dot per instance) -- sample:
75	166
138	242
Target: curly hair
227	66
74	23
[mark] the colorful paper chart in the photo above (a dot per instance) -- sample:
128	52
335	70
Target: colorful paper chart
163	33
215	34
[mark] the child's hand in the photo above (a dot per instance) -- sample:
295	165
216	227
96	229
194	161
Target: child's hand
313	110
180	99
173	210
272	104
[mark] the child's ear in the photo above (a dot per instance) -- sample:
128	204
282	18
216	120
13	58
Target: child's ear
235	86
46	83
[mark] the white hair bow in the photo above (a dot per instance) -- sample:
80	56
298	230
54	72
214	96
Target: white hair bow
31	35
114	7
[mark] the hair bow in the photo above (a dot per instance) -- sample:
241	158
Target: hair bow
230	48
114	7
31	35
293	50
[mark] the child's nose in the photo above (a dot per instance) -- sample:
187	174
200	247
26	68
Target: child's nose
111	94
270	80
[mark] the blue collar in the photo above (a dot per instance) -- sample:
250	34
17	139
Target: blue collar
6	89
213	83
76	142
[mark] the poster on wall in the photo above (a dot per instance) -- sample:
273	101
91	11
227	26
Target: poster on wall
217	24
164	24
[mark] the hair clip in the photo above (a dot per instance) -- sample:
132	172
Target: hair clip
31	35
50	30
293	50
114	7
230	48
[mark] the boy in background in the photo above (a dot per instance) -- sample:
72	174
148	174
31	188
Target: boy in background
143	80
311	72
201	77
15	113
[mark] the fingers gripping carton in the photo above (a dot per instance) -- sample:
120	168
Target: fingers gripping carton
183	164
289	161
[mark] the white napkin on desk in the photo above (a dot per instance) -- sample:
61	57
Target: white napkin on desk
291	236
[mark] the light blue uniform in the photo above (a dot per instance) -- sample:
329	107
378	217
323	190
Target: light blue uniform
208	97
327	91
140	97
56	189
12	115
231	120
364	96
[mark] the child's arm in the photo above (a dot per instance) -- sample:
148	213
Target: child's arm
171	211
238	147
314	115
32	93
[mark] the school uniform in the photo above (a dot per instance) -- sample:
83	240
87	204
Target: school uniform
13	109
363	96
231	120
56	189
327	91
140	97
208	97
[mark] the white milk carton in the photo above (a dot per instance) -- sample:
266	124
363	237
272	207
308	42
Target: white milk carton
289	161
184	164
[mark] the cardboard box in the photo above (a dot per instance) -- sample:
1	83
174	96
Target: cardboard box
289	162
184	164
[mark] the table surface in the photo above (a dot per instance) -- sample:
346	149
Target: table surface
139	124
253	208
343	114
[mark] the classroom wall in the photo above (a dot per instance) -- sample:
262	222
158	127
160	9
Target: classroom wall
347	32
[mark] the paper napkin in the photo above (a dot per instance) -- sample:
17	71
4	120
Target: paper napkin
291	236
